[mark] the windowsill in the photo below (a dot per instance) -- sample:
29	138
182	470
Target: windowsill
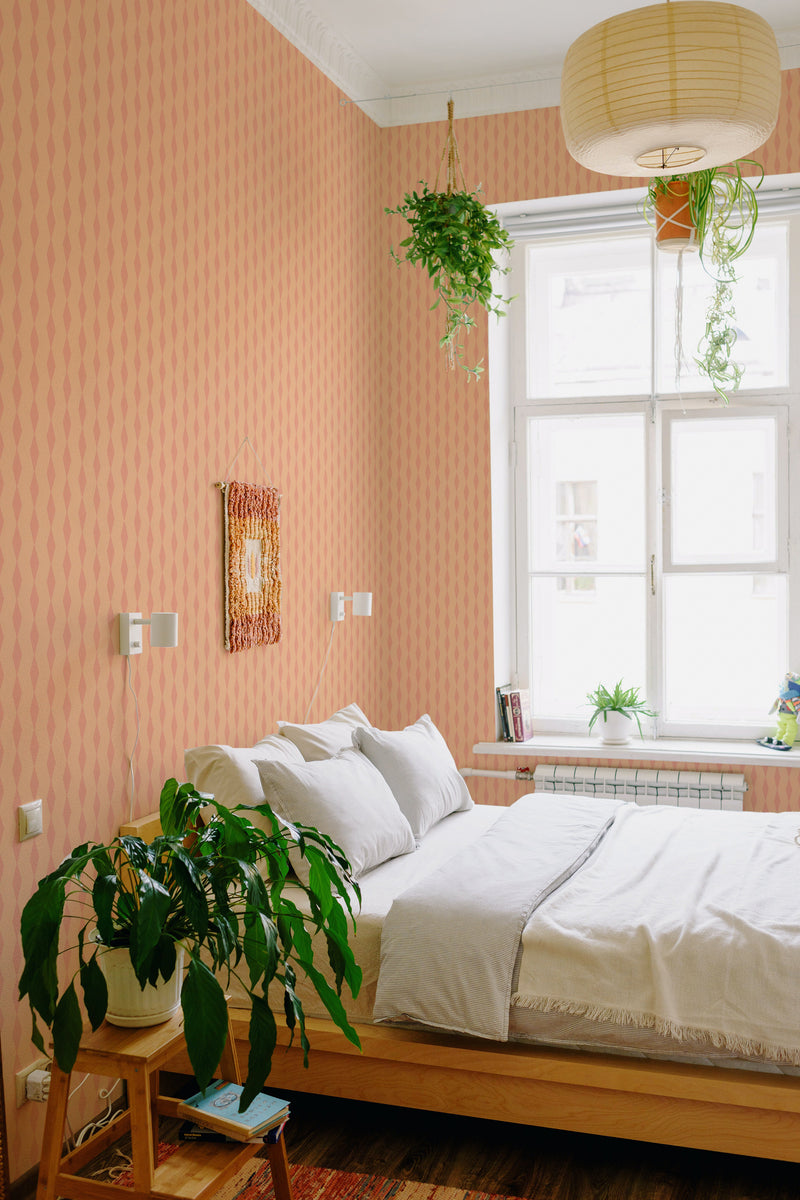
666	750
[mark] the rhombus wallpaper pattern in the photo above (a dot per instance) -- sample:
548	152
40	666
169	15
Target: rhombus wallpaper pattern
194	252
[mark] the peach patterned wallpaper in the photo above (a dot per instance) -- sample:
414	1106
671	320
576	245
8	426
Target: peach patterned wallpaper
190	234
194	252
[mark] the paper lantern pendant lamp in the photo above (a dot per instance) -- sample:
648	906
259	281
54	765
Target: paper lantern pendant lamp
669	88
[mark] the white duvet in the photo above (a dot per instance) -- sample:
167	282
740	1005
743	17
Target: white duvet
683	921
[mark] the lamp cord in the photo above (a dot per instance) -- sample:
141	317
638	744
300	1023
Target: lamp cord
136	739
321	670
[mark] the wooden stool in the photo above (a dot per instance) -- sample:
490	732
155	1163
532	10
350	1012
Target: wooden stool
193	1172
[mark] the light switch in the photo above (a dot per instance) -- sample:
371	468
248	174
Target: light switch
30	820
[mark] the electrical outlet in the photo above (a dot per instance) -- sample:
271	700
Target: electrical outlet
30	820
21	1078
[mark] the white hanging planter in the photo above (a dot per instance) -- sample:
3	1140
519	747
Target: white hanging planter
134	1006
615	728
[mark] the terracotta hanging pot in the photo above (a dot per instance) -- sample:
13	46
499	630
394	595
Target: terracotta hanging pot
675	229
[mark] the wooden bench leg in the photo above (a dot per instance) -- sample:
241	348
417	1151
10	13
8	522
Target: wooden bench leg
279	1165
53	1141
142	1150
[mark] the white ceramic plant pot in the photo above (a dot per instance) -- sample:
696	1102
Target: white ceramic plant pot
615	728
128	1003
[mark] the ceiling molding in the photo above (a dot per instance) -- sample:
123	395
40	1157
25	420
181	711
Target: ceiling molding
321	46
425	102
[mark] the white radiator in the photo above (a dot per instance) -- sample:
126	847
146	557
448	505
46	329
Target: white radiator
687	789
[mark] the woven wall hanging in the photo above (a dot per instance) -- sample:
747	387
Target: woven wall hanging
252	565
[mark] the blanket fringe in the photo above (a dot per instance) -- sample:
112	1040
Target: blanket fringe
741	1046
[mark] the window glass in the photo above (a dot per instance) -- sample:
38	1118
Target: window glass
722	490
586	495
581	638
588	316
725	638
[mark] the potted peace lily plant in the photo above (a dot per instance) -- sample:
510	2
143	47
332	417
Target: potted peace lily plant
618	707
196	889
715	210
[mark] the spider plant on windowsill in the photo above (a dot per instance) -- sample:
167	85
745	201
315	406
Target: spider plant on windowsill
723	208
622	705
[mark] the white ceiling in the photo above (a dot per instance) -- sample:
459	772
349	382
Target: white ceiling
401	59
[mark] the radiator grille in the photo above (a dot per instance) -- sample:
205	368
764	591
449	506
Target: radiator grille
687	789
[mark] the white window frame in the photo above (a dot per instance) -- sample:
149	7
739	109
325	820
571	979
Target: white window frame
508	385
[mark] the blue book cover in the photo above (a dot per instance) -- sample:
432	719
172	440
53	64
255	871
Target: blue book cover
219	1108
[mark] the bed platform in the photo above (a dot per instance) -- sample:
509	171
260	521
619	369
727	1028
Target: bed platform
731	1110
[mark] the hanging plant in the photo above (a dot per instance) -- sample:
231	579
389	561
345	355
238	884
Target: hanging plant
722	207
454	237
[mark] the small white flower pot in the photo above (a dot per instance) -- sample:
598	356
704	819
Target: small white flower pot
128	1003
615	728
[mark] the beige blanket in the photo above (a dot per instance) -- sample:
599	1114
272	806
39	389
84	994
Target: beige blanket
684	921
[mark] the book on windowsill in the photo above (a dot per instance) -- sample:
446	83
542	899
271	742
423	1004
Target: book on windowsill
502	707
516	704
218	1108
190	1131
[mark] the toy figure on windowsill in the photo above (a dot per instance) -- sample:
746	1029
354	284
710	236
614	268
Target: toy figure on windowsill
788	706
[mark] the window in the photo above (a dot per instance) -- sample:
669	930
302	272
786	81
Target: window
650	521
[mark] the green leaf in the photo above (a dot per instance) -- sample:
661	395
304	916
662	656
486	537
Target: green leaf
146	929
192	895
205	1018
40	928
260	945
331	1001
262	1035
67	1029
104	893
95	991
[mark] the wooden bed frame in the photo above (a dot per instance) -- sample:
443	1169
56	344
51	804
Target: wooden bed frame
706	1108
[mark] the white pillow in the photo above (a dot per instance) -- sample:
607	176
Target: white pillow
346	798
230	773
419	769
326	738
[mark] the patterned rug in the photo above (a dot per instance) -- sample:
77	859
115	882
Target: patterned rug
254	1182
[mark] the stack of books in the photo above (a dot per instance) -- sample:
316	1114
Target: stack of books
213	1115
514	704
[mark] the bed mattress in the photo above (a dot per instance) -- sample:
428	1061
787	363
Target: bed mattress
567	1031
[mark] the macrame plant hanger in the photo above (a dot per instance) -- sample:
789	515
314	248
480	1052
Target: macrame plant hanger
455	172
454	182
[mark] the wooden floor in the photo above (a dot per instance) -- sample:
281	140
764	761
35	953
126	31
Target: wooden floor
513	1160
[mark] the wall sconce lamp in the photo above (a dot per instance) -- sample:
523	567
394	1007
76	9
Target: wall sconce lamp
362	604
163	631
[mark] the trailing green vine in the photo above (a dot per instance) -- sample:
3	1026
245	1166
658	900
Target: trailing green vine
724	209
454	237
